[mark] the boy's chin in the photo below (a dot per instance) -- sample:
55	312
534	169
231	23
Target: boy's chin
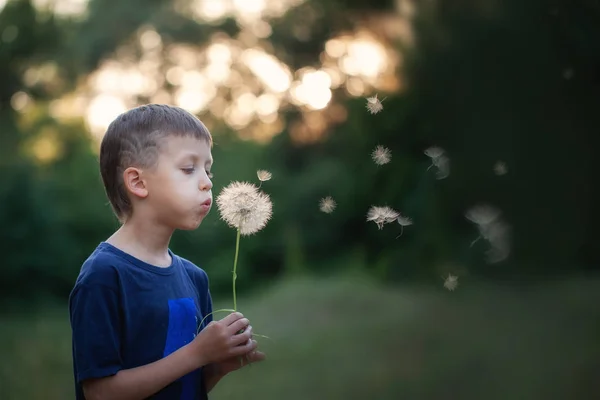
190	225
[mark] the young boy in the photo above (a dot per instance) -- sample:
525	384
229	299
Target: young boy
136	307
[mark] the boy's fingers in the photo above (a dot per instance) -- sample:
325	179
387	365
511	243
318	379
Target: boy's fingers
256	356
237	326
245	349
231	318
242	337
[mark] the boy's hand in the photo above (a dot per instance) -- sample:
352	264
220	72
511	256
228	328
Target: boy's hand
233	364
219	341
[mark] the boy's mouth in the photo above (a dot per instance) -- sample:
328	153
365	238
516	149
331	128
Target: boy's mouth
206	203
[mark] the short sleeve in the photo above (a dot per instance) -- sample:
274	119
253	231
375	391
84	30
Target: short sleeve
209	308
96	331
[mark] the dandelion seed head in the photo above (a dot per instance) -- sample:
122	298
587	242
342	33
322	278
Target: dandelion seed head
374	105
263	175
382	215
244	207
327	205
500	168
451	282
381	155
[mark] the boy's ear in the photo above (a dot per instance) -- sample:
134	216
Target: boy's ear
132	178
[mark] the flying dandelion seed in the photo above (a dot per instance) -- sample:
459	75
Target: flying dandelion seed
443	165
500	168
568	73
263	175
440	160
498	236
434	152
382	215
244	207
327	205
451	282
403	221
374	104
381	155
483	214
492	229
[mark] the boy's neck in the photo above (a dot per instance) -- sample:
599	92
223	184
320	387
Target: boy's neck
144	241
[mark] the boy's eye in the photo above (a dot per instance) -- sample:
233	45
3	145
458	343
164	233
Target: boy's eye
188	170
210	175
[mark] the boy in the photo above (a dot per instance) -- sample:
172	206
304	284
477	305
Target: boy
136	307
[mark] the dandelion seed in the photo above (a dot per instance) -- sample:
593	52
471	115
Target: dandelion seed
443	165
483	214
263	175
403	221
434	152
382	215
451	282
568	73
498	236
327	205
492	229
244	207
374	105
500	168
438	160
381	155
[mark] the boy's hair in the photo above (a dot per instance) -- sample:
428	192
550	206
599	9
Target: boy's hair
134	139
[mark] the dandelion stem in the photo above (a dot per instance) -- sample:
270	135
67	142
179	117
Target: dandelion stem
401	231
237	250
214	312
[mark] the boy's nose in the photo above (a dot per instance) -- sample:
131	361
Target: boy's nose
206	185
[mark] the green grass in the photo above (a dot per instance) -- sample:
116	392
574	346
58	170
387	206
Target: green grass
351	339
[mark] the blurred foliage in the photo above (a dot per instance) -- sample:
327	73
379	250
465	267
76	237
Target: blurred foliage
487	80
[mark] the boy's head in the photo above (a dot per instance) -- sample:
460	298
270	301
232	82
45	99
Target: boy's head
157	158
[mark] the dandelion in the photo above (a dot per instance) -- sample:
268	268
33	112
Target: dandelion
327	205
403	221
382	215
381	155
374	104
500	168
451	282
244	207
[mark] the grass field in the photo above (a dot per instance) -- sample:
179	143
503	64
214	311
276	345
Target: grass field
350	339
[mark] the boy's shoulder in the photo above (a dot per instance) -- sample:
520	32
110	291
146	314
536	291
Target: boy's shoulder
100	268
193	270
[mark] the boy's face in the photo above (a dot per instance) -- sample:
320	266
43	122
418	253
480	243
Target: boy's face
179	186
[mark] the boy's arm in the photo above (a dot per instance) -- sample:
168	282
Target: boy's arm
144	381
212	376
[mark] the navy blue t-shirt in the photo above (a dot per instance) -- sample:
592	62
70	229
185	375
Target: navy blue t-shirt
126	313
